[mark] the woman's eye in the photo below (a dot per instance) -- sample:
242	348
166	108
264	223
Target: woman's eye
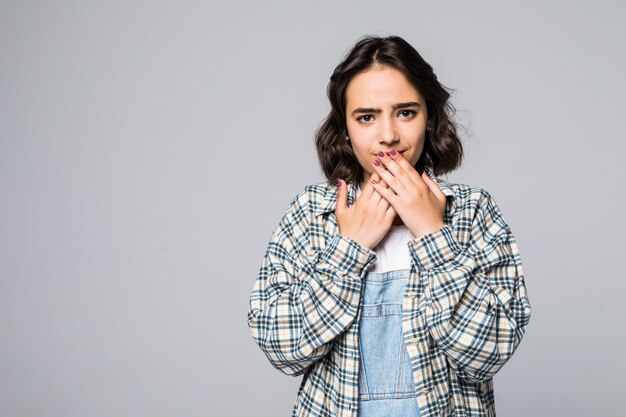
362	118
407	113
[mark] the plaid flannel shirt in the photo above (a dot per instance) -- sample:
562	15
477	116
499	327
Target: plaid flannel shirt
465	306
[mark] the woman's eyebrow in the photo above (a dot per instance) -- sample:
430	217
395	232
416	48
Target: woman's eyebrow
393	106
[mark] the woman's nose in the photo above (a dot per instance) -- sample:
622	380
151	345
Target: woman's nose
388	134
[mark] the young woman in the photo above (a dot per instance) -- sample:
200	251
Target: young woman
392	291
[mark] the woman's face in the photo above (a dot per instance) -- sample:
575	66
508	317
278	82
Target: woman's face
383	112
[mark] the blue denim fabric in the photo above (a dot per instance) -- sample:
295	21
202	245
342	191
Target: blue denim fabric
386	386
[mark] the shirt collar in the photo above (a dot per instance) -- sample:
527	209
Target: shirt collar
330	199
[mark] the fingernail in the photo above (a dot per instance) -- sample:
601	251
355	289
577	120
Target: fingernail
374	181
338	183
376	162
381	154
393	152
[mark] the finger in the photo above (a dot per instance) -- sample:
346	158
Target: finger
390	213
374	197
399	166
383	203
387	194
432	185
393	182
342	197
368	190
383	183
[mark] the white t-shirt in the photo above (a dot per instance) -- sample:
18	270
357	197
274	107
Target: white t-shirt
392	252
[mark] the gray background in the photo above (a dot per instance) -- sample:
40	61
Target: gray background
148	149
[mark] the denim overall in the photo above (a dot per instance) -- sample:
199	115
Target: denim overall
386	386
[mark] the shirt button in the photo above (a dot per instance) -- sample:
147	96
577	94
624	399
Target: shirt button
411	294
425	391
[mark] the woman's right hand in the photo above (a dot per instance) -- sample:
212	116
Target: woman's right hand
368	220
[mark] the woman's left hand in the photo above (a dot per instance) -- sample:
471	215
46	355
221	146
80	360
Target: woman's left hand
418	200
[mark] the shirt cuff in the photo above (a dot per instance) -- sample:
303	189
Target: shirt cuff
347	255
433	249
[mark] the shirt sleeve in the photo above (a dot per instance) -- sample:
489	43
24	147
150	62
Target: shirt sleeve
475	299
302	300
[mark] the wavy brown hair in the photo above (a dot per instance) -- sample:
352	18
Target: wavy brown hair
443	151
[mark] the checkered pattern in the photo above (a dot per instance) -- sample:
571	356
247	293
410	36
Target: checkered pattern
465	307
